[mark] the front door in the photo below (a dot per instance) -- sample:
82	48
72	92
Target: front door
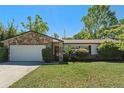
56	53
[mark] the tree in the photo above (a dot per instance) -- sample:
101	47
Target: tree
120	37
114	32
56	35
2	32
11	30
121	21
83	35
37	25
98	17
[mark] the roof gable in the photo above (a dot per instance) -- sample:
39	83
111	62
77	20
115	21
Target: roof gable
36	33
28	38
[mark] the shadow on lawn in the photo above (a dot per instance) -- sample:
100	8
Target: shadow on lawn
33	63
91	61
59	63
84	61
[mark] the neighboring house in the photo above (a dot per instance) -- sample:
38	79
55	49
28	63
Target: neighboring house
91	45
28	46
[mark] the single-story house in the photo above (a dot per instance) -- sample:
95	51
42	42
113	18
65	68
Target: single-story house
28	46
90	44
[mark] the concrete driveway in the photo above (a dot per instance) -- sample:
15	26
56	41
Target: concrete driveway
11	72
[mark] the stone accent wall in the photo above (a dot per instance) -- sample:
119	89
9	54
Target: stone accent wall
29	38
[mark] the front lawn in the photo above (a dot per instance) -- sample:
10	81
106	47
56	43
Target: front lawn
94	74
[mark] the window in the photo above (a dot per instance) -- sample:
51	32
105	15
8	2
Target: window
89	49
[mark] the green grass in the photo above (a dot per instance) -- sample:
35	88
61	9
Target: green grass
94	74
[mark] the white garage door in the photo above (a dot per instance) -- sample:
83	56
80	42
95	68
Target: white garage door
26	52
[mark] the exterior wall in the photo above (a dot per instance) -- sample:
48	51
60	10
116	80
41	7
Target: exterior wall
33	38
76	45
93	47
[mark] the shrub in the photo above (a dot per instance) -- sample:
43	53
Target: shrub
68	54
47	54
75	54
3	54
81	53
65	56
121	49
1	44
109	49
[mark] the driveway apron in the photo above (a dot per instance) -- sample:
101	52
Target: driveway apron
11	72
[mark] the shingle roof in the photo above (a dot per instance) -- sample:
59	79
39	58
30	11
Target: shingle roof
89	41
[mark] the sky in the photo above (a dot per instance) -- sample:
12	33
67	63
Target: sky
59	18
